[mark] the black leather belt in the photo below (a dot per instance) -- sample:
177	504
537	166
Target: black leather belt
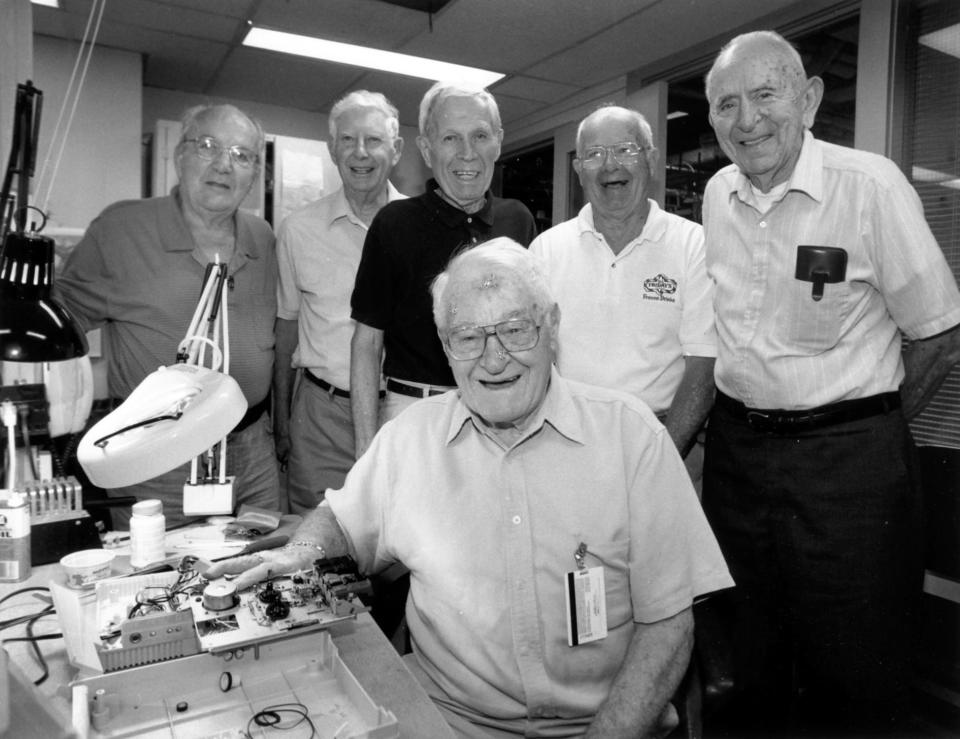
395	386
326	386
780	421
252	415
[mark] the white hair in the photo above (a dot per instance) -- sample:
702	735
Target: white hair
365	99
771	37
190	121
443	90
644	131
503	253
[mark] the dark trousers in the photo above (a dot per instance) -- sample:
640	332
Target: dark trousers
821	531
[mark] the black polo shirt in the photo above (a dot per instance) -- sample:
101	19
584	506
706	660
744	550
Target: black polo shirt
409	243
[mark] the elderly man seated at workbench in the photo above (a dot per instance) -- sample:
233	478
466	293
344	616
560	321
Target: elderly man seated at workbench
553	537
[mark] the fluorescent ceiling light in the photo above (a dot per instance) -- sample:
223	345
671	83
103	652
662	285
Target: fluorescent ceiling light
677	114
922	174
48	3
946	40
360	56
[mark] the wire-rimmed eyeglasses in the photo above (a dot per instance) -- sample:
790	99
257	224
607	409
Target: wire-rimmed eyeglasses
624	152
516	335
209	148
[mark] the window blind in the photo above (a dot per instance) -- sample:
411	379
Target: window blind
932	142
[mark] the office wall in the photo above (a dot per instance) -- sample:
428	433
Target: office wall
16	63
101	157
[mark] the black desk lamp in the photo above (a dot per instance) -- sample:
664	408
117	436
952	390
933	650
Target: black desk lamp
33	326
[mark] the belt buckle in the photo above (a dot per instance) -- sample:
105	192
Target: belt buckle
758	419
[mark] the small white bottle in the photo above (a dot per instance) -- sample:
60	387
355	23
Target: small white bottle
147	529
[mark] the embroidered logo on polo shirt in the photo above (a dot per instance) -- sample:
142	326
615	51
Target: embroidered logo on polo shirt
660	287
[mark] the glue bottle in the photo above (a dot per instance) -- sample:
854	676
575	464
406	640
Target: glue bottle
14	537
147	530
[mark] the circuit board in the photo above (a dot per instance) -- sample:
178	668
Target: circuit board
155	620
303	601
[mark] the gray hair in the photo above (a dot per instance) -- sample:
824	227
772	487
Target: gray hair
771	37
190	121
644	131
443	90
365	99
510	257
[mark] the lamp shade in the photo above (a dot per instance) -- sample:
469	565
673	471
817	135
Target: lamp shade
33	326
175	414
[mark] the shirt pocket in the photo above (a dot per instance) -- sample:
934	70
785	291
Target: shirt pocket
614	558
810	325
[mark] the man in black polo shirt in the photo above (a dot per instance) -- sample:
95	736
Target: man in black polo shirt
411	241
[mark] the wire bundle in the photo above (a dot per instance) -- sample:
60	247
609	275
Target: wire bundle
272	717
30	620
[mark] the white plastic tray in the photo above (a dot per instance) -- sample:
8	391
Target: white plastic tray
206	696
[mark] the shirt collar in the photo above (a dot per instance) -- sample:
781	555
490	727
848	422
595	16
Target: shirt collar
340	208
653	228
182	239
452	216
807	175
557	410
171	216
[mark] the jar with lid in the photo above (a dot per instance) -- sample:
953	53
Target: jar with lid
147	529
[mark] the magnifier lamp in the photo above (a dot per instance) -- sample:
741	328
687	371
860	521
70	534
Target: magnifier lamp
179	413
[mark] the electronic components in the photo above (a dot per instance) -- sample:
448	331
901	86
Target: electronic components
342	585
219	596
137	617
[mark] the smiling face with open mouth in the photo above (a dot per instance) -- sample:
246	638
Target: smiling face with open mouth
504	388
616	190
365	151
760	105
461	148
216	186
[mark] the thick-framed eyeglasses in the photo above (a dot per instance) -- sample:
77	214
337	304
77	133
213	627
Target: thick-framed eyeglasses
625	152
516	335
209	148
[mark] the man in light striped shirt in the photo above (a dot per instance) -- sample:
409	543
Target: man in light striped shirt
821	256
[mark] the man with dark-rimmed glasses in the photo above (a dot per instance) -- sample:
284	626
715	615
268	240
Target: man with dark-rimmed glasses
632	282
506	499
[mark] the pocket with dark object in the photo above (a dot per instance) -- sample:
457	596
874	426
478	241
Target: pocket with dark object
821	265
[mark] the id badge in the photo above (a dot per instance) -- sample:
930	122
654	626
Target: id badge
586	606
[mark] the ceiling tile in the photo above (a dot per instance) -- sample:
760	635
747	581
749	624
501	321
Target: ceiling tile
278	79
366	22
532	88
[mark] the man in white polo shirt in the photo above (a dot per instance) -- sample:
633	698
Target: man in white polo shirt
632	283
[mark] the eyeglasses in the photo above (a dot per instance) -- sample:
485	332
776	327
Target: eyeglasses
516	335
626	152
209	148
